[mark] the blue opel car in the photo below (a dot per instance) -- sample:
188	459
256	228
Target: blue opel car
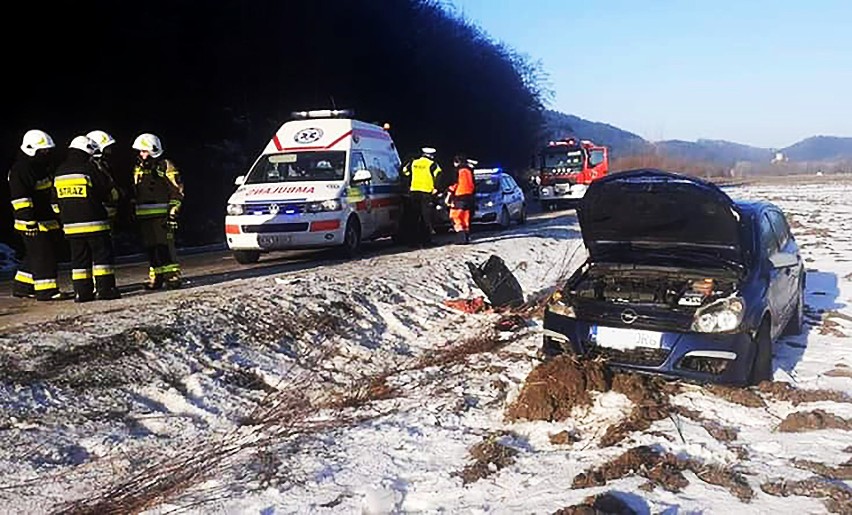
680	281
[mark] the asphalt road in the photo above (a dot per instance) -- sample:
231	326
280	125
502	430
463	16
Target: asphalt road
202	267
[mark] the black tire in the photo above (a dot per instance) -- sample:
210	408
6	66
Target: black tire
505	218
351	238
761	369
522	218
795	324
247	257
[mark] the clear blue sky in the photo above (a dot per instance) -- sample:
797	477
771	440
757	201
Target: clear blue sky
759	72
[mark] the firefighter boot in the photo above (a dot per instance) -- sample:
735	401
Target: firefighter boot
155	280
105	286
84	290
173	280
22	287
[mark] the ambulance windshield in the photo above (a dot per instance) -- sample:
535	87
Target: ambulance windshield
299	167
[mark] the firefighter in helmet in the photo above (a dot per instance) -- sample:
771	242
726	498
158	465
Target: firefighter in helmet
103	161
30	184
81	192
158	193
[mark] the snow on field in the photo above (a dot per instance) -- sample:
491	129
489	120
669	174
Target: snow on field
353	388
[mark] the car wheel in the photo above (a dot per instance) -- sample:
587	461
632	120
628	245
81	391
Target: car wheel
761	369
794	325
505	219
522	218
247	257
352	238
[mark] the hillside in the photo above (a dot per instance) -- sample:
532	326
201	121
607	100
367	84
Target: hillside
620	141
820	148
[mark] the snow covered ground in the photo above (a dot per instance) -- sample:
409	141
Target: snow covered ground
352	388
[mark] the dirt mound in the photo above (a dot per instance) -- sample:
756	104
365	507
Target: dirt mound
555	387
836	497
603	504
786	392
802	421
741	396
564	438
664	470
489	456
841	472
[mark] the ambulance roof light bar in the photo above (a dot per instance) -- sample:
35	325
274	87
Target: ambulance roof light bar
324	113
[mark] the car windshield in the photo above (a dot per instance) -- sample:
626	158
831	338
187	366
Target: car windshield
488	185
563	159
299	167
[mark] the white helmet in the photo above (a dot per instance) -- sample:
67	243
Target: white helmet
428	151
149	143
102	138
35	140
85	144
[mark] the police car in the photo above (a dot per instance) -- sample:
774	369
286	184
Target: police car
499	200
323	180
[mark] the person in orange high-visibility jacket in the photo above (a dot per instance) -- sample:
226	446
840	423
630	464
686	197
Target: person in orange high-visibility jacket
461	197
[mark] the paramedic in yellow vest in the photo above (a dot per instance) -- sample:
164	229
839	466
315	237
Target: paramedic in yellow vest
158	193
421	175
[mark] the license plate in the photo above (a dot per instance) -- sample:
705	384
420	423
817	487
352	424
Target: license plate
626	339
268	241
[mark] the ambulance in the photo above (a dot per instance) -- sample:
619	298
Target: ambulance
323	180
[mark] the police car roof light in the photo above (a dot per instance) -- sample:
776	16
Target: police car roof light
324	113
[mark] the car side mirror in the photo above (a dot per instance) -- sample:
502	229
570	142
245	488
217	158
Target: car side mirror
362	176
239	181
783	260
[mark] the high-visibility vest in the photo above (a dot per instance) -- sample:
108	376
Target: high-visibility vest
424	171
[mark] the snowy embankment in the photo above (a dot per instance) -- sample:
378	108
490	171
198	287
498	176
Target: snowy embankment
352	388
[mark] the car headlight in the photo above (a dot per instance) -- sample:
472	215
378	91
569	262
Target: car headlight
555	305
325	205
721	316
490	203
235	209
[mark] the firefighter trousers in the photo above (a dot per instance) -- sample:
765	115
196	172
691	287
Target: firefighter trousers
37	274
159	242
92	257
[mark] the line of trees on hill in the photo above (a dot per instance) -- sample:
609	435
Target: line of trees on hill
215	79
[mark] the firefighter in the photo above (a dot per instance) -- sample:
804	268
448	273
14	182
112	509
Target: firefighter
30	184
158	193
421	176
103	161
461	198
81	191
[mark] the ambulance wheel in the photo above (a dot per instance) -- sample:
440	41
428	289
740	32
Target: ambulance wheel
351	238
505	218
247	257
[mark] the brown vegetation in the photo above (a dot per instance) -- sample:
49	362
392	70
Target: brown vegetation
489	456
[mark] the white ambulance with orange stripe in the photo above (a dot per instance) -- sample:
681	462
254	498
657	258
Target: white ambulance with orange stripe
323	180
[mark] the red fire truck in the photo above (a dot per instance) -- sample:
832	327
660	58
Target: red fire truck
567	167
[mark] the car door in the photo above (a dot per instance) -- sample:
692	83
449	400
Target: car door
358	195
509	197
787	245
777	284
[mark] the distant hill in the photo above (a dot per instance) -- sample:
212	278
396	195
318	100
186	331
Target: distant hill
713	151
624	143
820	148
621	142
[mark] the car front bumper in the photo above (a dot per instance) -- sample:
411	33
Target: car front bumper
700	357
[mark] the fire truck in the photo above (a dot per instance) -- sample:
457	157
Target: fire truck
566	168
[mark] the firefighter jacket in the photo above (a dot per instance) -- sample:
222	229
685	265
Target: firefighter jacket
30	185
81	191
158	189
422	173
463	189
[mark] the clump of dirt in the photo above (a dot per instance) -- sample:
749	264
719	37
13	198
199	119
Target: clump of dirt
786	392
836	497
831	328
554	388
720	432
602	504
664	470
651	396
489	456
802	421
839	372
564	438
741	396
841	472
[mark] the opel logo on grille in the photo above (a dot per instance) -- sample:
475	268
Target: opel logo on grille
628	316
274	209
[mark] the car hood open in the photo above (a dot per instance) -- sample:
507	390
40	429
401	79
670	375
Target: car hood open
651	216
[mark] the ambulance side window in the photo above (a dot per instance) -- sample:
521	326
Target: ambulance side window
374	164
393	166
356	162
